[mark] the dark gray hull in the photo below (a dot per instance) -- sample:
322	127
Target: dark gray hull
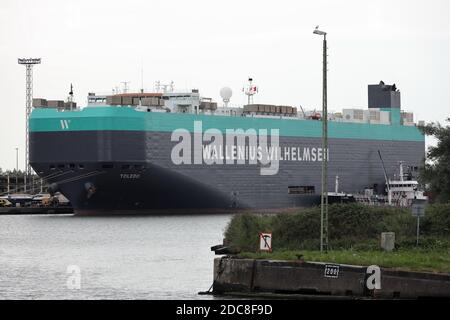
132	172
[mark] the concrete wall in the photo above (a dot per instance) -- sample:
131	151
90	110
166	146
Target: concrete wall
296	277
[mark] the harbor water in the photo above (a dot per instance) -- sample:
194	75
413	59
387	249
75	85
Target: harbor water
137	257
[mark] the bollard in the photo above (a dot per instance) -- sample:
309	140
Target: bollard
388	241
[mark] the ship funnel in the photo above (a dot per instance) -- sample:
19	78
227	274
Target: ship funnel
383	96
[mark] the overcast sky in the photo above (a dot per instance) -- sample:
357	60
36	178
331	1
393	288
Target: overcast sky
210	44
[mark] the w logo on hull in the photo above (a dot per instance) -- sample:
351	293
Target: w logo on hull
64	124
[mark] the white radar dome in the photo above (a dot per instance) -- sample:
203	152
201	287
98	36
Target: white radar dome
226	93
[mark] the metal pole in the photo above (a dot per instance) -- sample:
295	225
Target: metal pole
29	100
8	183
29	63
418	226
324	196
17	170
325	148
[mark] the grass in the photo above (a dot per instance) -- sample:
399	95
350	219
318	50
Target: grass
351	226
354	236
436	261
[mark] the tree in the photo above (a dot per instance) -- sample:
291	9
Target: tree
435	174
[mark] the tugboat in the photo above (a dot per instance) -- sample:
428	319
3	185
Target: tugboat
404	191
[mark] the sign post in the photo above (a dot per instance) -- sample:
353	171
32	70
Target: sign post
418	228
418	210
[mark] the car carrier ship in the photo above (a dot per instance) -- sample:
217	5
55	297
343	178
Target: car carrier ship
177	152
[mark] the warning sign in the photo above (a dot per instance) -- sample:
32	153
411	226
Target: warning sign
265	242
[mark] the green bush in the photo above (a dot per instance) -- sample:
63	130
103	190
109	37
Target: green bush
437	220
351	226
296	231
243	231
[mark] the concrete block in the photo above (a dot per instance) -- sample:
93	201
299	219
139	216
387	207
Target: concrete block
291	276
412	285
233	275
388	241
310	278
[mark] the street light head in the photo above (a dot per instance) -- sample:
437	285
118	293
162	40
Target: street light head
317	31
29	61
322	33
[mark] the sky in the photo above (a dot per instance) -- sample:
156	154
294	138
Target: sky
208	44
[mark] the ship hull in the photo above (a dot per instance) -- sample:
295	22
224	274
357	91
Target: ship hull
133	172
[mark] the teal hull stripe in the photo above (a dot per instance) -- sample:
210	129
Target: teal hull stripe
127	119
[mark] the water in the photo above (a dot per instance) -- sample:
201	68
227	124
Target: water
144	257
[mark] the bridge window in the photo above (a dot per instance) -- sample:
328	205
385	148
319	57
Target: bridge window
301	190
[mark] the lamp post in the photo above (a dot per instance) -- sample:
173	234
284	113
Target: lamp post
17	168
324	195
28	63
